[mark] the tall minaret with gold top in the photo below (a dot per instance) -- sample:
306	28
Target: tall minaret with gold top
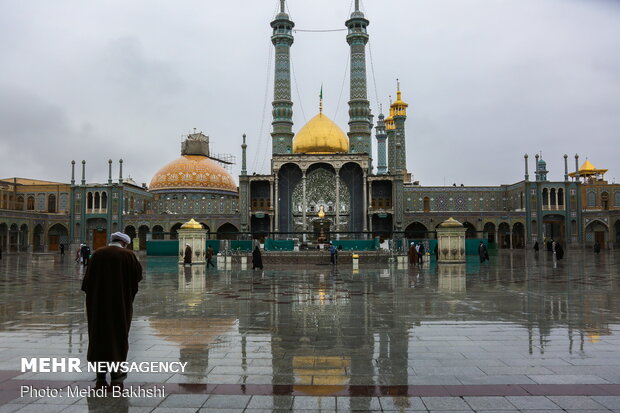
398	111
360	124
282	39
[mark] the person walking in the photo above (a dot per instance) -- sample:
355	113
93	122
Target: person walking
85	254
62	250
482	252
558	251
257	259
597	247
187	256
536	247
421	252
333	254
111	284
210	257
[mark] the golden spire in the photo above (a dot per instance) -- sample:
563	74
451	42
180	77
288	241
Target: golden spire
321	101
399	106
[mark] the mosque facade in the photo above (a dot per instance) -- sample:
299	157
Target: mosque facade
322	185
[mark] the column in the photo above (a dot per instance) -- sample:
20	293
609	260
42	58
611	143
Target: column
365	198
338	203
304	204
557	205
275	204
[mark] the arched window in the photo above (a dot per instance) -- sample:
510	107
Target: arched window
545	200
591	199
426	204
30	203
51	203
89	201
20	203
104	200
97	200
561	197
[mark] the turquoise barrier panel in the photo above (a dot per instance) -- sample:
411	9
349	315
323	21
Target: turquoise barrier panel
356	244
279	245
162	248
245	245
214	243
472	244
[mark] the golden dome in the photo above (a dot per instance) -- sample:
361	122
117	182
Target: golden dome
193	172
320	135
451	223
191	224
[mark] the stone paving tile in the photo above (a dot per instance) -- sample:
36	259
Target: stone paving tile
227	401
567	379
406	403
270	402
533	403
184	400
496	379
576	402
175	410
42	408
610	402
357	403
445	403
311	403
10	408
489	403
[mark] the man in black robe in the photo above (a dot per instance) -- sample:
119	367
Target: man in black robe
111	284
187	258
257	258
85	254
482	252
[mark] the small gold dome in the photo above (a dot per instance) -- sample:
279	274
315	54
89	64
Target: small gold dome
191	224
320	135
451	223
193	172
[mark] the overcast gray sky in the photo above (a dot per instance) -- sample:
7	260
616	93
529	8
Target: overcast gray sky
486	81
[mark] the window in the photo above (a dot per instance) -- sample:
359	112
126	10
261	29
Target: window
51	203
30	203
426	204
591	199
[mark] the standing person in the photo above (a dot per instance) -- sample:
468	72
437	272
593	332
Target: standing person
413	254
257	258
536	247
597	247
78	254
62	250
210	256
421	253
558	251
111	284
482	252
85	254
332	253
187	257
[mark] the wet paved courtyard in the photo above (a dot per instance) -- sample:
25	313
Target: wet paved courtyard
521	333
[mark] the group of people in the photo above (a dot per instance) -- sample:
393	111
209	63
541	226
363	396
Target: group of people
82	255
553	247
187	255
416	253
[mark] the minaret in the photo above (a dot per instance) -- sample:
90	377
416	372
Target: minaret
400	116
390	130
359	108
282	39
381	142
244	146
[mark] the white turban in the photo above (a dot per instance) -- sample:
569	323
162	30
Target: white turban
119	236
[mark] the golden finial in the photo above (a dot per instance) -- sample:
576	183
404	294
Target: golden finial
321	100
321	213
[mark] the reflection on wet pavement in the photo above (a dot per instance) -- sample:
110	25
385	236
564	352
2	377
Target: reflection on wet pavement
322	331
